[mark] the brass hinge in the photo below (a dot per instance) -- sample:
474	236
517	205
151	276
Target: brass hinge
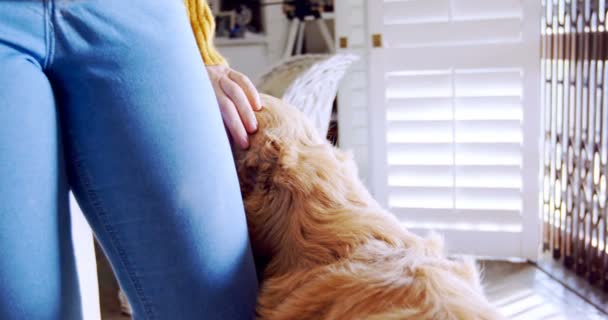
377	40
343	42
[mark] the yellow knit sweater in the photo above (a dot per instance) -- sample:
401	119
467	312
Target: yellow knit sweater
203	26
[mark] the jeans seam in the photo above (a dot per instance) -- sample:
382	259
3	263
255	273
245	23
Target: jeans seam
84	177
49	32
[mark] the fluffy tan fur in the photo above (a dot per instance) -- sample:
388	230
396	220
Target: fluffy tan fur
328	250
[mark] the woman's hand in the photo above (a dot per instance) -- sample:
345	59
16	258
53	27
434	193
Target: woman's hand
238	99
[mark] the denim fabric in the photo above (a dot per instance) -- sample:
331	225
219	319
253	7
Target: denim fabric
111	99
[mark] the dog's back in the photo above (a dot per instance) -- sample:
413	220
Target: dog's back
378	281
332	251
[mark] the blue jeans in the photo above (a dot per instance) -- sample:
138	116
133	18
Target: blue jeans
111	99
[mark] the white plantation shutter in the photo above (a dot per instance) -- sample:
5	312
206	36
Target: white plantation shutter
455	120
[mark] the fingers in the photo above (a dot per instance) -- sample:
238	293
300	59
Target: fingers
240	101
248	87
232	121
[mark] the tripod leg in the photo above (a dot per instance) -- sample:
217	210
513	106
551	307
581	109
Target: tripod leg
329	41
300	43
291	37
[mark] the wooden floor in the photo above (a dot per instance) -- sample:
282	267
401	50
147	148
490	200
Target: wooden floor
520	290
523	292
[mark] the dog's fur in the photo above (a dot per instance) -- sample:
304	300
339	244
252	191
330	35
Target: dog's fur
328	250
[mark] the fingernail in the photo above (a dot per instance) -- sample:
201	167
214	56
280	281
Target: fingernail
254	125
245	143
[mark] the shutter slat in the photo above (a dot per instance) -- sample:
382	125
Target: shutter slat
482	56
416	11
487	9
419	109
458	32
460	131
488	153
489	83
428	85
476	239
420	153
490	176
489	108
420	197
489	131
435	131
457	216
466	108
421	176
482	154
466	198
488	198
446	83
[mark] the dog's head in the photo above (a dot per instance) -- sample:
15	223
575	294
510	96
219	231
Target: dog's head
288	153
283	136
288	164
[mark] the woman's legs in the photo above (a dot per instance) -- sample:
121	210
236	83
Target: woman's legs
149	160
37	268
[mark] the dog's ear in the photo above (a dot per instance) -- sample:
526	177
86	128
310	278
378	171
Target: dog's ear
258	165
302	166
270	154
286	160
294	165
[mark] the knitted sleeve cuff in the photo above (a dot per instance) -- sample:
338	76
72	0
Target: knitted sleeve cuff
203	26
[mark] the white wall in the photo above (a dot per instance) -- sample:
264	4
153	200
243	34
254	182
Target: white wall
353	105
254	56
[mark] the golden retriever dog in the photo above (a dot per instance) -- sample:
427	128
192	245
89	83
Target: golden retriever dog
327	249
